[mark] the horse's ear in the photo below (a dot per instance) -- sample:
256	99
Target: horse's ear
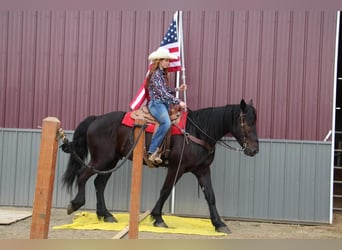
243	105
251	102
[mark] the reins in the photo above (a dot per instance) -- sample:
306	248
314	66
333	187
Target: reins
66	148
222	142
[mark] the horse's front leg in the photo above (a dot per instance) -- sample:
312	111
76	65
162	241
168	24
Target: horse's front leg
79	199
156	212
100	183
204	179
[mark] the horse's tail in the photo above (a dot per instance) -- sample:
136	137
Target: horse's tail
78	146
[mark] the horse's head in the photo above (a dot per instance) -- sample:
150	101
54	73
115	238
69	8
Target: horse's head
245	129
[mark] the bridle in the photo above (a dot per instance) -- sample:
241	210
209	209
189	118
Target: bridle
221	141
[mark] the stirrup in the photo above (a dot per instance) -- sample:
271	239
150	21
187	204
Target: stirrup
155	158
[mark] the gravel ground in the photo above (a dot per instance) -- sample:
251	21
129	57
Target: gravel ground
240	230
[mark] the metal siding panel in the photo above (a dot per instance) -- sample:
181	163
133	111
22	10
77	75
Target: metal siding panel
43	56
70	44
322	183
307	183
208	64
327	75
280	75
218	175
14	68
4	29
151	185
224	172
262	181
194	58
32	164
265	102
55	83
252	72
246	186
119	187
25	110
22	170
230	193
61	197
112	77
311	69
224	57
35	151
126	59
276	175
84	67
295	104
8	168
189	197
238	55
140	54
2	161
292	181
98	62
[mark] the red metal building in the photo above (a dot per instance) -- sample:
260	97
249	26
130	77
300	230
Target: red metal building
73	63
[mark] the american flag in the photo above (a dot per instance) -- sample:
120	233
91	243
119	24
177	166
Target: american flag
170	42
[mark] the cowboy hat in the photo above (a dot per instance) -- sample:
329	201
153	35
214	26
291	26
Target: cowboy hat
161	53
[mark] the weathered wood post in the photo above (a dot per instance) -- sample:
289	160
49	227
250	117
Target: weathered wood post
45	179
138	155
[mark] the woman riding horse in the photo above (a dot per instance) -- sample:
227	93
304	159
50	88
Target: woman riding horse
108	141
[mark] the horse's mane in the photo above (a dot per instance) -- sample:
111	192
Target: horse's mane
214	121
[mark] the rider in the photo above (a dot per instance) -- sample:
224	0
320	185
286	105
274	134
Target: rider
161	97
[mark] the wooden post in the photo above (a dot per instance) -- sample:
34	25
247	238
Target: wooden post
138	155
45	179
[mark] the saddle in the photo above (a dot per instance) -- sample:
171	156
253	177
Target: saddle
144	114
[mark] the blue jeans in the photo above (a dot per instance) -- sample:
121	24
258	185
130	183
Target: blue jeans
160	112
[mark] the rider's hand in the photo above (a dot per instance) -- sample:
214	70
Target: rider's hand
182	104
183	87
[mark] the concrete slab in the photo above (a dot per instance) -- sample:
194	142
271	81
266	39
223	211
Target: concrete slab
11	215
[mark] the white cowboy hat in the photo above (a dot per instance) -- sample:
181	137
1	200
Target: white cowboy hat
161	53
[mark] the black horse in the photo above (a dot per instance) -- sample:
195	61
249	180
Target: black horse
108	141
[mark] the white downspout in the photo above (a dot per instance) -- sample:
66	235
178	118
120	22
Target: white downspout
333	119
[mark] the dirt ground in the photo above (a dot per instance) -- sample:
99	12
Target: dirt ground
240	230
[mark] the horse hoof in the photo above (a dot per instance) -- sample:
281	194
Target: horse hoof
223	229
70	209
160	224
110	219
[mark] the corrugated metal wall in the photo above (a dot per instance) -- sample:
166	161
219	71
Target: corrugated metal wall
286	181
71	64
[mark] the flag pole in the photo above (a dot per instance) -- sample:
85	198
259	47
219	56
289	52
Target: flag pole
179	22
182	50
177	73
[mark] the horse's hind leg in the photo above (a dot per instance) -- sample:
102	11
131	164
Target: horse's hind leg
100	183
79	199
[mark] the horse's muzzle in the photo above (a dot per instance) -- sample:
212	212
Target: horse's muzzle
251	151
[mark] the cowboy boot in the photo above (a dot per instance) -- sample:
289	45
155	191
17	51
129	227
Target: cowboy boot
155	157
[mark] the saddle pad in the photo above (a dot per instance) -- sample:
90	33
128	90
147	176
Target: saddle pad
129	121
